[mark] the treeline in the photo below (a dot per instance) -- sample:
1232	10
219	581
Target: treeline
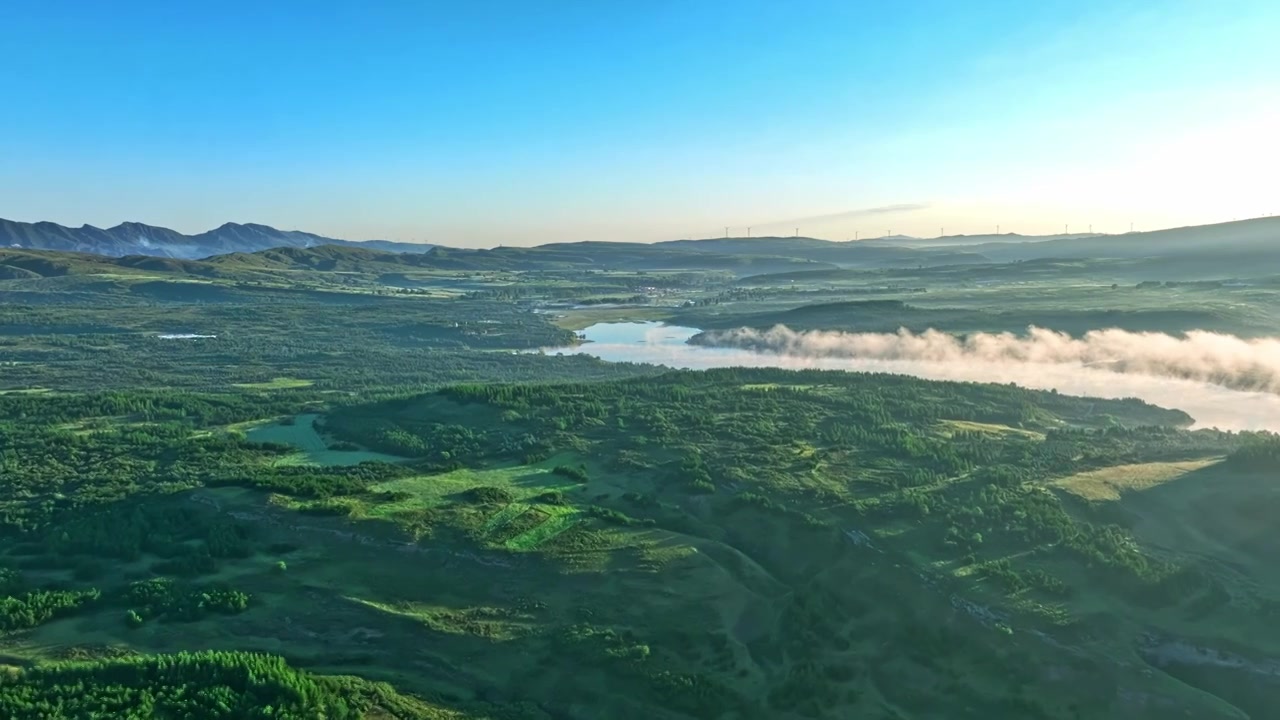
27	610
1259	453
206	685
310	481
144	406
168	530
164	598
188	540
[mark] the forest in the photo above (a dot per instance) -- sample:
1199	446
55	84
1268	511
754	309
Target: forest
354	499
206	684
867	445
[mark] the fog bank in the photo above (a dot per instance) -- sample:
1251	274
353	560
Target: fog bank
1226	360
1211	405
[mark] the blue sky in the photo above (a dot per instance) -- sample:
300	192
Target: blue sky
484	122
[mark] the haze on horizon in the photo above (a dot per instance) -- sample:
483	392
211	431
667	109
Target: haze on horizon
490	123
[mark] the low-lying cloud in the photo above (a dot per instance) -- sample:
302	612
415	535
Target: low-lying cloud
1225	360
1212	405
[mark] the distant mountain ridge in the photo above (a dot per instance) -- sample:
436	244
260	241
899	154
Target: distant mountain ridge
1260	234
132	238
1224	248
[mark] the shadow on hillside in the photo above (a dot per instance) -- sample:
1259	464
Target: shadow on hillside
1213	513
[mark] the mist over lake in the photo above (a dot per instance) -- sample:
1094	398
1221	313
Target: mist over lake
1212	406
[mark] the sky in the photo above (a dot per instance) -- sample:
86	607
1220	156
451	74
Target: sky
485	123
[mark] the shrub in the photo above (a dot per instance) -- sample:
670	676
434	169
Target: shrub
701	487
489	495
578	473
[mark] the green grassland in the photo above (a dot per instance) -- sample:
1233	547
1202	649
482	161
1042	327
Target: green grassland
363	476
870	496
582	317
1112	483
674	547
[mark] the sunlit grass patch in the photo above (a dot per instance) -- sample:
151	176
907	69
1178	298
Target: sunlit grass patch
522	481
26	391
561	519
951	426
280	383
1112	482
504	516
485	622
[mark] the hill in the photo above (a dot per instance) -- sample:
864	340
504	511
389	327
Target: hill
807	544
382	465
597	256
844	254
1244	248
1242	237
132	238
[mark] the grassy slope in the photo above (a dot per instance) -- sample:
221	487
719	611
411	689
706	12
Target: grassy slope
416	584
748	593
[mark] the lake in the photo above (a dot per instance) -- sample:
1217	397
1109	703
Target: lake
1211	405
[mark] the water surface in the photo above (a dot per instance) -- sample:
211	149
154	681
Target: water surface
1210	405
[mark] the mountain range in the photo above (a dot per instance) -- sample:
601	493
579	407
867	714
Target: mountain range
132	238
1222	249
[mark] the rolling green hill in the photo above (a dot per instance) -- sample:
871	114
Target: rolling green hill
349	482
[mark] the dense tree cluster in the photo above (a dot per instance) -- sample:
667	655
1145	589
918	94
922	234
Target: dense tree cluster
34	608
209	685
164	598
61	454
778	442
348	343
309	481
125	531
1260	453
